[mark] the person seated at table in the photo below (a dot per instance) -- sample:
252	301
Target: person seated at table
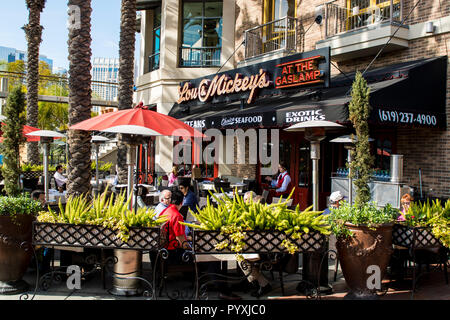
335	202
60	180
189	199
173	177
177	240
39	195
281	186
164	201
405	203
248	196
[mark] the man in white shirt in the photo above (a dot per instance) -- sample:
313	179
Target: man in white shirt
164	202
283	180
60	180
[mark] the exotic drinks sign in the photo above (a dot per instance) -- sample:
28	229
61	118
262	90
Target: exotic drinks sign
295	72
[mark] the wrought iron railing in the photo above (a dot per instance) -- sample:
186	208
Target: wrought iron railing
360	14
273	36
153	62
200	56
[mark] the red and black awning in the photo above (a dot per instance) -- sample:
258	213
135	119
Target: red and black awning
410	94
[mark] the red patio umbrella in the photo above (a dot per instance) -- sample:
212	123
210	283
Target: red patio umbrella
26	129
138	120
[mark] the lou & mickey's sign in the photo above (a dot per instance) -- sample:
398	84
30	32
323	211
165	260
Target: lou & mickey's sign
302	70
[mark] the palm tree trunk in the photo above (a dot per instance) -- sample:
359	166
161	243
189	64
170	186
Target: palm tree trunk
126	74
80	99
33	32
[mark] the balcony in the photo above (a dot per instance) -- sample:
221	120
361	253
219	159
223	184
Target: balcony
272	37
363	29
199	57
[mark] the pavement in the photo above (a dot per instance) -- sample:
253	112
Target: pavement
431	286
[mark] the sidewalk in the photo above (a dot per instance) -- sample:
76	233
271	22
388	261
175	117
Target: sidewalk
431	286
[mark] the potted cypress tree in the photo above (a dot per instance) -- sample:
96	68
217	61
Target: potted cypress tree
16	212
363	231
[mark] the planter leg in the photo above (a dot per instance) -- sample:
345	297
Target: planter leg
13	287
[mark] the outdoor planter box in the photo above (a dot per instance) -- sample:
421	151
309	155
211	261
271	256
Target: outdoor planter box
414	237
258	242
91	236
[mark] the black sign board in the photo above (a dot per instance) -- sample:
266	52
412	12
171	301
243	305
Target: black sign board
298	71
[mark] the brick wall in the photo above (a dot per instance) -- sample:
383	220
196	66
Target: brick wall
428	149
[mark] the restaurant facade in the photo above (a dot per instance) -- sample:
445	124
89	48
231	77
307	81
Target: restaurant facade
297	63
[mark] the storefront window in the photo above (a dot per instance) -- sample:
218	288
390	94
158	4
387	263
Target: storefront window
383	153
303	166
202	33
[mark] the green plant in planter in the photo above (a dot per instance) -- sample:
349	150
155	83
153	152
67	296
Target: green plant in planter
233	217
368	215
112	213
37	167
361	166
433	215
12	206
26	167
106	167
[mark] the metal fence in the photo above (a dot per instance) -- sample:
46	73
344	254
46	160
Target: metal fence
360	14
273	36
200	56
58	87
153	62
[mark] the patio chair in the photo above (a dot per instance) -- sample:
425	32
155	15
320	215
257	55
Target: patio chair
265	194
289	203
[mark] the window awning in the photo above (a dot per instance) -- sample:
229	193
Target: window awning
411	94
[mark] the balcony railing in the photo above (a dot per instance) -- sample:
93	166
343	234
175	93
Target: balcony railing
277	35
153	62
340	19
200	56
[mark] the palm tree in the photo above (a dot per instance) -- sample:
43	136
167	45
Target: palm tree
33	32
79	98
126	73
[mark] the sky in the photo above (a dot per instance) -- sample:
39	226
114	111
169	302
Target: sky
105	29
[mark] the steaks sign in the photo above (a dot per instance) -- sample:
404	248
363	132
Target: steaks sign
298	71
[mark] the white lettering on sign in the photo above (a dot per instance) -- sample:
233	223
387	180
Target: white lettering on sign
241	120
196	123
304	115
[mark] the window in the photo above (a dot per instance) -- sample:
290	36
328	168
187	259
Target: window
279	26
154	57
201	34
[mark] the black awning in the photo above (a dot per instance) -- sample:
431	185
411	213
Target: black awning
407	94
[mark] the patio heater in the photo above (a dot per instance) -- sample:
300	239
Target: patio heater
97	140
312	262
46	137
349	144
315	132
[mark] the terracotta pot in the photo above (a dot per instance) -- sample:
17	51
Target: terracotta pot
14	259
362	256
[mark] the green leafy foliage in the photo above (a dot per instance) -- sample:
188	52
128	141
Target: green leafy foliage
109	212
233	217
12	139
10	206
366	214
361	166
433	215
102	166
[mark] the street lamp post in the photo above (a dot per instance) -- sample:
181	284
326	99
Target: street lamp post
313	269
